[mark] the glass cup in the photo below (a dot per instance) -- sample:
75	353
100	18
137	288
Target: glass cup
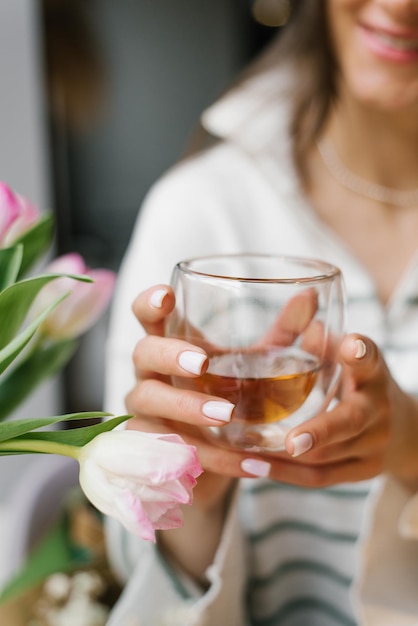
271	326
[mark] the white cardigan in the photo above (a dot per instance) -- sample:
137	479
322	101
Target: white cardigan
323	557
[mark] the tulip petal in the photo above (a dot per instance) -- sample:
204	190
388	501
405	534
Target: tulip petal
10	210
28	216
141	479
143	526
86	300
71	263
172	518
160	460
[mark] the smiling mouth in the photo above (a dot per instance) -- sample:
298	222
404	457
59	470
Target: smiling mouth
396	42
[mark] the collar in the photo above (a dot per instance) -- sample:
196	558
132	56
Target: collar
255	113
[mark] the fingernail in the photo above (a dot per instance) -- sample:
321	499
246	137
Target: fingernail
301	443
191	361
361	349
157	298
221	411
256	467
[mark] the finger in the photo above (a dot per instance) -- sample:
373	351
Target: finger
213	458
344	422
362	356
293	319
313	339
156	398
234	463
318	476
372	438
169	356
152	306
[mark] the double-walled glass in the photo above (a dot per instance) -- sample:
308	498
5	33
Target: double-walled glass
272	327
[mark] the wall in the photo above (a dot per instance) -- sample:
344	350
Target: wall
164	62
24	160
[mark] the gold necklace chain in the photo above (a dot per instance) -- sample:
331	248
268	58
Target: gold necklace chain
361	187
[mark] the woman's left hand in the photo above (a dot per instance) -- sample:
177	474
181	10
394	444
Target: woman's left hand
373	428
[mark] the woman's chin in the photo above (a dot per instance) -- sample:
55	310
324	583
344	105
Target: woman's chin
386	95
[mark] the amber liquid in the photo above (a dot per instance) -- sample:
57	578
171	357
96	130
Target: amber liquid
265	386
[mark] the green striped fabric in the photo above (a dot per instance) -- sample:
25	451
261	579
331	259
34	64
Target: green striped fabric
302	558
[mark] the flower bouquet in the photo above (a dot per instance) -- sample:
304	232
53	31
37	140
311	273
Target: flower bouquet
140	479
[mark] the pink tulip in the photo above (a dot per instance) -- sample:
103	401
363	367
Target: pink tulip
17	215
29	215
85	304
139	478
9	209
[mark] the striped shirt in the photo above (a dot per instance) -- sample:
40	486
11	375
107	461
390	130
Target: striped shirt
302	552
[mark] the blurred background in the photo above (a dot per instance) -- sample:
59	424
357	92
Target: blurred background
98	98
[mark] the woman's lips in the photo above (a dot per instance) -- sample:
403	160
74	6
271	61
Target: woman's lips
390	45
397	41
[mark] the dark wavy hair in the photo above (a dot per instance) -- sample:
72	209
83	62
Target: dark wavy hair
305	41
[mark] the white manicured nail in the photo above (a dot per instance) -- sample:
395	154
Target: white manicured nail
221	411
256	467
157	298
361	349
302	443
192	361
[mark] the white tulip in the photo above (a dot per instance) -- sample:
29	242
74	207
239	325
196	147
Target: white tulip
139	478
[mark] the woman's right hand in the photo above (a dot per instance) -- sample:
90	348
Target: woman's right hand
159	407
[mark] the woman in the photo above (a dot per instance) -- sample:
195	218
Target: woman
317	155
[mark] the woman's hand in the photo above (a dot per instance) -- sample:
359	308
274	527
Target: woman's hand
373	429
159	407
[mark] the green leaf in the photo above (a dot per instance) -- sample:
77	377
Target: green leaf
16	300
10	262
15	428
78	437
36	242
29	373
12	349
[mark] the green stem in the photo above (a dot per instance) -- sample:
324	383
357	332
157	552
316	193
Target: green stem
32	445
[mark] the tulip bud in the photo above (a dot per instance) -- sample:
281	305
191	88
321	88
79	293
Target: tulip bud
17	215
10	210
28	216
86	302
139	478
